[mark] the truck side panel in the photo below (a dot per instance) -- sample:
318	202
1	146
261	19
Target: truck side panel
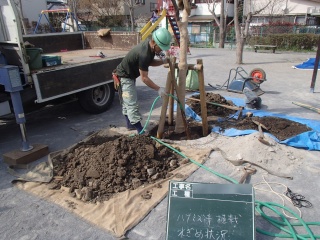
56	42
114	40
63	81
83	40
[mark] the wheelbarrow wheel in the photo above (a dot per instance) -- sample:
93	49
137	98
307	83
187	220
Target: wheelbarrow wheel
258	75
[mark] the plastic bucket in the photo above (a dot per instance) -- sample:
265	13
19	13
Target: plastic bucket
35	59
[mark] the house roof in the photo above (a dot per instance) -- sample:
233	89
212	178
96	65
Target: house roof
201	18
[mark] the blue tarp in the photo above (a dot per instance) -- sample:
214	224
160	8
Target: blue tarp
308	140
307	65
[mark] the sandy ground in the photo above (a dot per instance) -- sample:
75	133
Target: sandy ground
24	216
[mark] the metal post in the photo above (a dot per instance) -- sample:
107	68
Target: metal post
20	119
315	69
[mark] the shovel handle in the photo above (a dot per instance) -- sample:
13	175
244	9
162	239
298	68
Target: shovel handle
218	104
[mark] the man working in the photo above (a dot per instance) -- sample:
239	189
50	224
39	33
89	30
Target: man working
136	63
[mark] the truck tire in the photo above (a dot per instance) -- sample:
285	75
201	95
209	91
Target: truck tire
97	100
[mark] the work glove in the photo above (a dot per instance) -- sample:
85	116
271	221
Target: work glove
165	60
162	92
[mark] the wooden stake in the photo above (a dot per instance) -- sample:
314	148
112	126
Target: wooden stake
203	104
164	109
171	103
173	80
315	69
218	104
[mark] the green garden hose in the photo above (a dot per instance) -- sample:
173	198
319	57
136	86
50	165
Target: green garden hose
152	106
291	233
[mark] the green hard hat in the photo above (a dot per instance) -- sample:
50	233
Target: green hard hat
162	37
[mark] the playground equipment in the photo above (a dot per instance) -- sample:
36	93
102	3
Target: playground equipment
149	27
169	12
68	15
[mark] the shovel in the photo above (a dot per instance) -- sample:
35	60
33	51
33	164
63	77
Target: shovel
261	135
247	171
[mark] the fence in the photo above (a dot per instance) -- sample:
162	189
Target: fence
265	30
201	35
208	36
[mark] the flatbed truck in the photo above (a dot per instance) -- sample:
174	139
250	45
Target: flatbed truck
85	72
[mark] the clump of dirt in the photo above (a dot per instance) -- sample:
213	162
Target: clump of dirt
212	110
95	170
281	128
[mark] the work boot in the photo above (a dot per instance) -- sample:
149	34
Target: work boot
129	125
139	127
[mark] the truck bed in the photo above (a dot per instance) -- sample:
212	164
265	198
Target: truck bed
84	56
78	72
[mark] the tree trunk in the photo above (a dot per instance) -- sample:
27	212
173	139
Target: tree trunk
239	51
132	19
131	10
183	65
222	26
242	30
239	39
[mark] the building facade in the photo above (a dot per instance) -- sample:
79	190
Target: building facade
302	12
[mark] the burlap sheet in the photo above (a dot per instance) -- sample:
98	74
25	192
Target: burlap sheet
124	210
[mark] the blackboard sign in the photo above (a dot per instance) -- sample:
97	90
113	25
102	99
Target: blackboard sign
210	211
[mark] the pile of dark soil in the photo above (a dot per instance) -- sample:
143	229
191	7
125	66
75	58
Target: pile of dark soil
279	127
97	169
212	110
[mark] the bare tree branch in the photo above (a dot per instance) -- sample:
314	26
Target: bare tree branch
212	7
106	12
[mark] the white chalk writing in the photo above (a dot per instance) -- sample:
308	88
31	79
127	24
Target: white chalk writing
208	233
208	219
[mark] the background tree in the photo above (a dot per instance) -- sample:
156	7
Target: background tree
131	6
106	13
85	14
252	8
274	10
221	21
